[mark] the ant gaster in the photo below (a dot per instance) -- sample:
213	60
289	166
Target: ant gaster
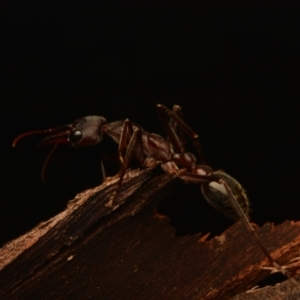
220	190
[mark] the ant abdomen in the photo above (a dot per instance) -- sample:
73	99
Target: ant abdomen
216	195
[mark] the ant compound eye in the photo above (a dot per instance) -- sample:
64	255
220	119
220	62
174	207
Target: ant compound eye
75	136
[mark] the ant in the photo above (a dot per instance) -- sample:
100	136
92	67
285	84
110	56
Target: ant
221	190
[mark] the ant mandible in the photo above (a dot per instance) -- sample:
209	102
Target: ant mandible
221	190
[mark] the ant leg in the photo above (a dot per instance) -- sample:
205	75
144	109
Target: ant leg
134	147
103	172
103	158
46	162
177	111
177	129
170	126
201	179
175	141
127	131
294	266
250	228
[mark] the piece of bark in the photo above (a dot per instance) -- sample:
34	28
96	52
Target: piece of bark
129	252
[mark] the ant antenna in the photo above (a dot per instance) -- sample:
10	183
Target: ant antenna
23	135
34	132
47	161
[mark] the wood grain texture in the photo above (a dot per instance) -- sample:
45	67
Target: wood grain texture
90	251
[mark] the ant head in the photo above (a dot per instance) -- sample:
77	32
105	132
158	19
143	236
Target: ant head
85	131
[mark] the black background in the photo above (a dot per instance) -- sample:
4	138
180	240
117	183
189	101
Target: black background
235	74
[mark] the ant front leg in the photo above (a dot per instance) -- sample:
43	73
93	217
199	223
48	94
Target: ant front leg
131	141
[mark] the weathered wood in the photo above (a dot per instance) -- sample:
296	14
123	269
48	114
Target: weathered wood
131	252
287	290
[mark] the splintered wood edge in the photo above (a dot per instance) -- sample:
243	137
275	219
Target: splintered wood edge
284	239
287	290
11	250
